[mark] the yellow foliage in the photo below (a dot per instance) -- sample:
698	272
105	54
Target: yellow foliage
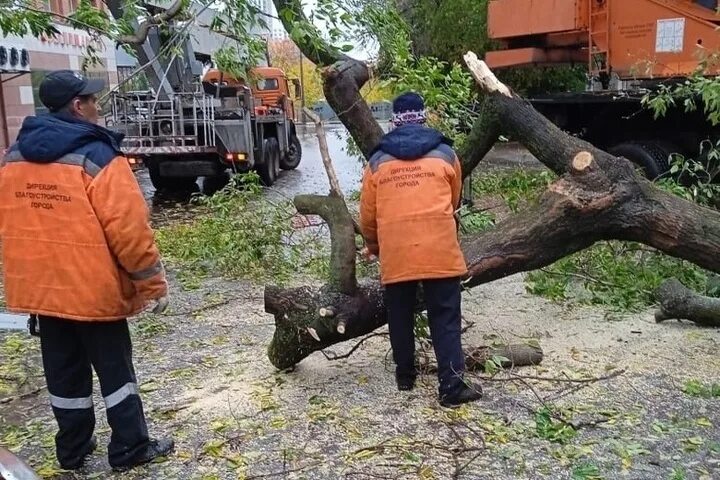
284	54
375	91
312	82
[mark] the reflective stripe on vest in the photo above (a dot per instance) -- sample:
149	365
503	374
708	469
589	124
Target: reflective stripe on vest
73	159
147	273
442	151
378	159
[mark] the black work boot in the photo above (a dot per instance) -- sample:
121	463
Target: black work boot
155	449
91	446
405	382
466	394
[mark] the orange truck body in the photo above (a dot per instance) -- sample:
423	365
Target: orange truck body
270	88
633	39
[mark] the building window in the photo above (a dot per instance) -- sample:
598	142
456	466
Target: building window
36	77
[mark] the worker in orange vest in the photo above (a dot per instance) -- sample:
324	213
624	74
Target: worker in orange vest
79	255
411	188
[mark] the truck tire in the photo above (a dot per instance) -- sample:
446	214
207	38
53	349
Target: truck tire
270	165
277	156
291	160
652	157
170	184
212	185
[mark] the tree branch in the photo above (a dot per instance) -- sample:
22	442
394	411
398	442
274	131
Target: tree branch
325	153
680	303
68	20
314	48
334	211
599	197
144	29
343	78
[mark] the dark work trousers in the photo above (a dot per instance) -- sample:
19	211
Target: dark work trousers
69	349
442	298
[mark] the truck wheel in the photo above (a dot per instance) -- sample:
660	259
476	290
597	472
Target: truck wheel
291	160
651	156
268	169
276	156
212	185
170	184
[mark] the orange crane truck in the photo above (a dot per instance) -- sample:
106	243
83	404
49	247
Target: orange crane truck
630	47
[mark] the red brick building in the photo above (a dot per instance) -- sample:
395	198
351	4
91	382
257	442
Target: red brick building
19	90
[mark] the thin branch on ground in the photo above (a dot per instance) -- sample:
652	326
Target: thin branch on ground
467	327
579	276
204	308
514	377
22	395
325	153
332	356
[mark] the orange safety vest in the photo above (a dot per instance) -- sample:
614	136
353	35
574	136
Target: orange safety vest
407	215
76	238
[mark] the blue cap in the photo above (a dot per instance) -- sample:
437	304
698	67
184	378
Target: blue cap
58	88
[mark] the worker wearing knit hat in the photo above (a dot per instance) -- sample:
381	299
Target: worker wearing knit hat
411	188
409	109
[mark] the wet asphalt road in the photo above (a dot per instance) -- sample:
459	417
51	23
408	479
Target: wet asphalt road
310	176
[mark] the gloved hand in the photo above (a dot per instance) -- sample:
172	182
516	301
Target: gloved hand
368	255
161	305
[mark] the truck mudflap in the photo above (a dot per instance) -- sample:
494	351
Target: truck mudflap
233	136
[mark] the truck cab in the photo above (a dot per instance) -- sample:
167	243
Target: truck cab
269	85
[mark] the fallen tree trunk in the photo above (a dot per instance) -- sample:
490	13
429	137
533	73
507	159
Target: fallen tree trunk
307	320
677	302
301	328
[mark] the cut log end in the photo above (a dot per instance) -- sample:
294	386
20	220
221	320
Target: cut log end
582	162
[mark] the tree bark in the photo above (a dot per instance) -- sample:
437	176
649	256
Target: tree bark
300	329
677	302
334	211
143	29
509	355
307	320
